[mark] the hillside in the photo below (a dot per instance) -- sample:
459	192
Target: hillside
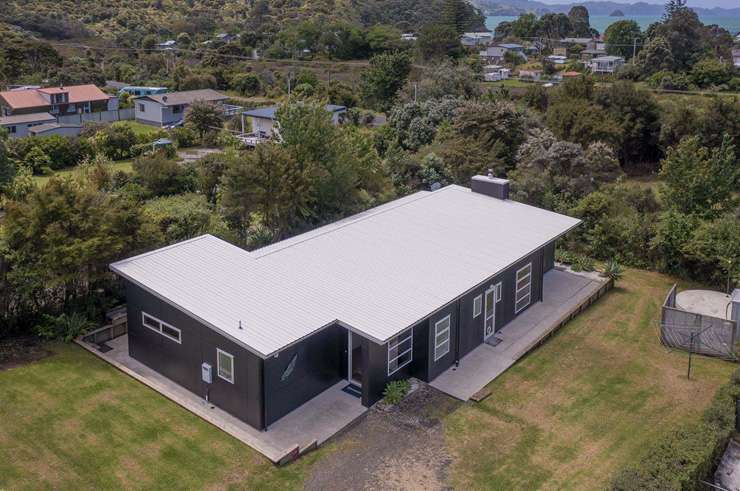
516	7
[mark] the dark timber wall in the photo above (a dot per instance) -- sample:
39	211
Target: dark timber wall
320	362
182	362
466	331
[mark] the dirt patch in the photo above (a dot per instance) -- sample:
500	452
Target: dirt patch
403	448
15	352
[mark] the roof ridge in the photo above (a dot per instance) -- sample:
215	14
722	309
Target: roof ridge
167	248
350	221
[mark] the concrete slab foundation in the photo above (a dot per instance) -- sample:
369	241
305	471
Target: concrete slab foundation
565	294
299	431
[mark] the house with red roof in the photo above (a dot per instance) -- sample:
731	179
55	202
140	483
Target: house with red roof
59	101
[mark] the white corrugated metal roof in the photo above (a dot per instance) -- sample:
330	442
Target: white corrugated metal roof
378	272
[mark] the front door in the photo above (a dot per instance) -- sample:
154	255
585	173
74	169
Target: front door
489	319
354	359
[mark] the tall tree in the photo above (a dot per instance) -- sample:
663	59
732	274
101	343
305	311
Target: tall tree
384	78
701	181
439	41
623	38
204	117
579	21
454	15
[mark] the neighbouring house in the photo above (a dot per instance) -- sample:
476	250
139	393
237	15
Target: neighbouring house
472	39
494	73
263	122
591	53
571	74
557	59
408	36
736	57
169	109
59	101
170	44
496	54
137	91
19	125
405	289
60	129
606	64
226	37
534	75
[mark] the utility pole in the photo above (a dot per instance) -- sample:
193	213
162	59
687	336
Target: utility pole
634	49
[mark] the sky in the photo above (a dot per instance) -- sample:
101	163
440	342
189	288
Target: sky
727	4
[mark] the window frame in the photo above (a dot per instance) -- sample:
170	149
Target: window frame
158	328
220	352
395	343
447	330
142	107
497	293
477	305
518	296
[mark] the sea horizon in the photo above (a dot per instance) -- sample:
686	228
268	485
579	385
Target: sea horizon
601	22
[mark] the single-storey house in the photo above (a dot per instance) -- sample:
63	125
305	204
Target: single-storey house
405	289
168	45
19	125
169	109
74	99
471	39
138	91
494	73
534	75
60	129
591	53
606	64
496	54
263	119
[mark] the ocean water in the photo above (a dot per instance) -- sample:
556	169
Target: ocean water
601	22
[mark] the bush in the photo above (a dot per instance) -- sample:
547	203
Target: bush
688	455
612	270
66	326
395	391
583	263
564	257
184	137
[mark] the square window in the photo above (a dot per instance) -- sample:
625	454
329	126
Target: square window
477	305
225	363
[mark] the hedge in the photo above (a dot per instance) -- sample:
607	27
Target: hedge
688	455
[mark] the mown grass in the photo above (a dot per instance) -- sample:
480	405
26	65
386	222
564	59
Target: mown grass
587	402
72	421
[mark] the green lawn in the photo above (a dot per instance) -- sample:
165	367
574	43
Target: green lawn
591	399
140	128
588	401
121	165
72	421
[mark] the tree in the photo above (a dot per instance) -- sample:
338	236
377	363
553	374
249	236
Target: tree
710	72
7	168
247	84
683	32
444	80
204	117
582	121
384	78
579	21
637	115
184	216
554	26
382	38
210	169
554	173
656	56
713	251
415	123
162	176
700	181
454	15
623	38
115	141
269	182
439	41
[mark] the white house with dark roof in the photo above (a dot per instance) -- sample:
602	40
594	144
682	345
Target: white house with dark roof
406	289
263	119
20	125
169	108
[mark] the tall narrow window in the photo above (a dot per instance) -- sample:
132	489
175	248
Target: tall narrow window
477	305
225	365
523	288
441	338
400	351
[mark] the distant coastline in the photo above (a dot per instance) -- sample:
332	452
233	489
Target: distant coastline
601	22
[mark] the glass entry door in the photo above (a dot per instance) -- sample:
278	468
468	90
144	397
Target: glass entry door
489	319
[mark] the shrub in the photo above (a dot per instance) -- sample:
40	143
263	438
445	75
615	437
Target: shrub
395	391
564	257
65	326
688	455
612	270
583	263
184	137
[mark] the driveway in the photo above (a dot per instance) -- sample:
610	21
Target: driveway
403	448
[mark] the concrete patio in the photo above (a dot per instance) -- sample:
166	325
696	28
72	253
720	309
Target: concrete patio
299	431
565	294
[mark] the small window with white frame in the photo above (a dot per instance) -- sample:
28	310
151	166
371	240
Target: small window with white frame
225	362
477	305
523	288
442	337
498	289
400	351
160	326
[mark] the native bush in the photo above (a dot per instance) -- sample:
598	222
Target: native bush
395	391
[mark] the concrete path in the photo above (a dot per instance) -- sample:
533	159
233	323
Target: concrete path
315	421
727	474
564	292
